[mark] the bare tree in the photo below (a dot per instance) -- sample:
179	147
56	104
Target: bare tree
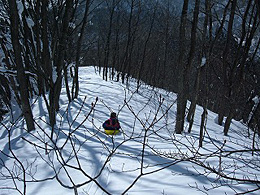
235	75
191	52
79	43
202	58
112	8
225	55
124	66
44	29
145	48
181	101
21	77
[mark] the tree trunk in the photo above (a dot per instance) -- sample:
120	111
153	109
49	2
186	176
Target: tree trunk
192	46
227	123
55	88
192	108
142	63
38	54
166	47
21	77
181	101
11	79
235	90
124	63
225	63
108	40
76	76
202	125
191	54
66	80
47	65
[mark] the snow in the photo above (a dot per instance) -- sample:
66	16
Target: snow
203	62
256	99
54	74
115	162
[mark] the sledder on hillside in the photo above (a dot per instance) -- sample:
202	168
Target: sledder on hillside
112	125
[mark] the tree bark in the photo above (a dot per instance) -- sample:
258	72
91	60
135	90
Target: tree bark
181	102
47	65
225	63
142	63
55	88
76	76
21	77
237	73
203	125
191	55
108	40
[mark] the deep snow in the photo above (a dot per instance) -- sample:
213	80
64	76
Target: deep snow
161	165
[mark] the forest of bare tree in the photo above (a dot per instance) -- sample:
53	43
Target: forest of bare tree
206	51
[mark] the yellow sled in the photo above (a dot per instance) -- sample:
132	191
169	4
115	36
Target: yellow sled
111	132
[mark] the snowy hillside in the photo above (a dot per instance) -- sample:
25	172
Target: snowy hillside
146	158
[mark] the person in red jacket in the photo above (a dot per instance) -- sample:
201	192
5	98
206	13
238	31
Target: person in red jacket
112	123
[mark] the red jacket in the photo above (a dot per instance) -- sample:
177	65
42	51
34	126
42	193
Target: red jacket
111	124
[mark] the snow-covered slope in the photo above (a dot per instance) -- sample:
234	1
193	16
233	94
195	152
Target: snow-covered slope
146	158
